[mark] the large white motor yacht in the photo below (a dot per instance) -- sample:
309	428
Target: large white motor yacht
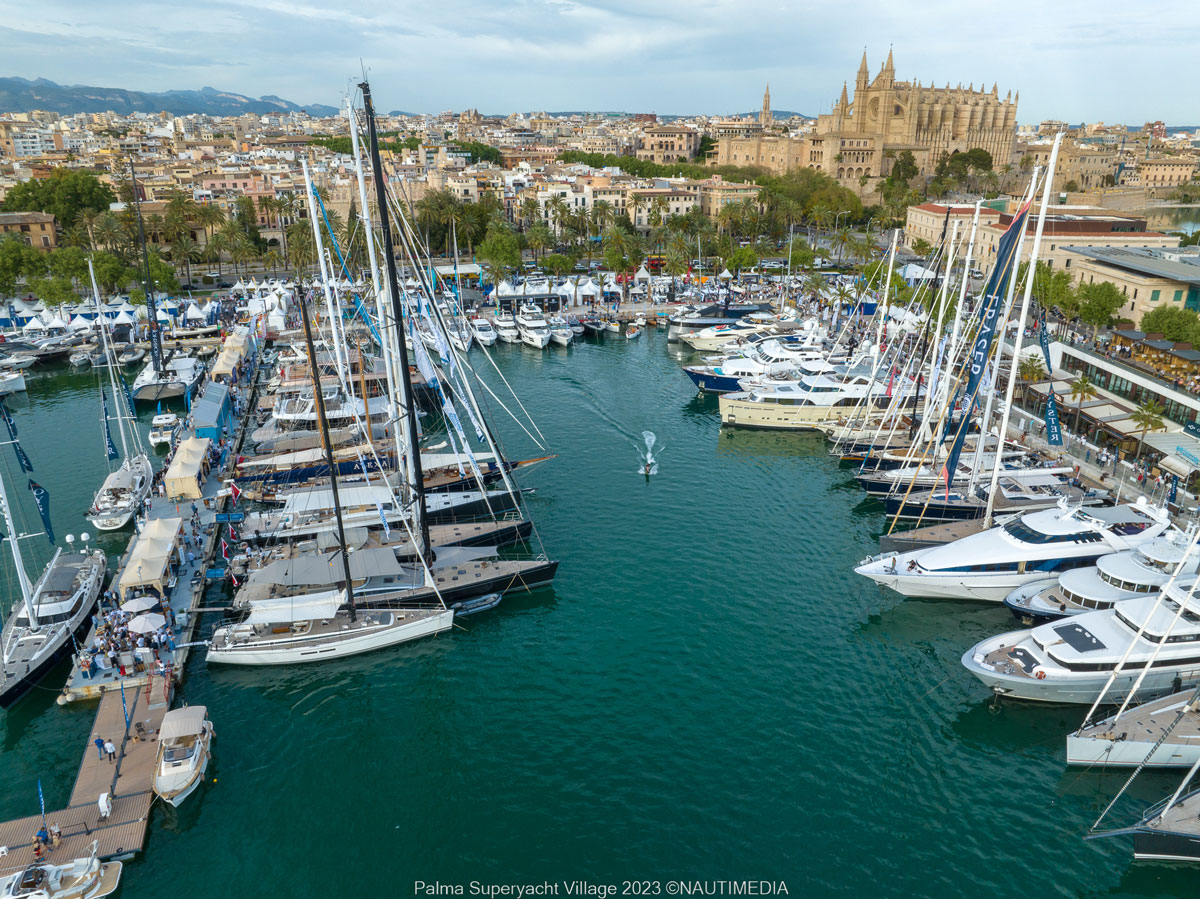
532	326
83	878
1074	660
991	564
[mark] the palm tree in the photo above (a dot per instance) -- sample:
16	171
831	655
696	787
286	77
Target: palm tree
107	230
603	214
530	211
539	238
1030	371
209	216
842	241
1082	390
187	251
1149	418
558	210
274	260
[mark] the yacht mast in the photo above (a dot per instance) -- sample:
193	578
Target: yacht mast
389	256
328	445
147	284
14	543
110	358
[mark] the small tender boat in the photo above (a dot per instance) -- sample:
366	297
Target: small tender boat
575	325
640	321
476	604
163	429
131	355
613	327
83	878
184	749
592	324
632	331
80	358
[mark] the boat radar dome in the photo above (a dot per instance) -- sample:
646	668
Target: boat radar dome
70	538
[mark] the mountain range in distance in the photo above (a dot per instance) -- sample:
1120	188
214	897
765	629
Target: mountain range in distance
24	95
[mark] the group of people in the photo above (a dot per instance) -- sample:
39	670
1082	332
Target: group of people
113	638
46	840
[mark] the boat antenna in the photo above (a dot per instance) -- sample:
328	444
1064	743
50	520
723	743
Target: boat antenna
389	256
328	445
147	286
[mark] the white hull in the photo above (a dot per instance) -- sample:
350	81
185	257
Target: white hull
300	652
1079	687
560	338
951	585
538	341
1123	752
110	516
163	786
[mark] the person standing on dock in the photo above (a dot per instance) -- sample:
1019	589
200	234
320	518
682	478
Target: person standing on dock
111	750
99	741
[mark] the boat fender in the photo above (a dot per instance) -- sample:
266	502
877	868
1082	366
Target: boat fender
1041	675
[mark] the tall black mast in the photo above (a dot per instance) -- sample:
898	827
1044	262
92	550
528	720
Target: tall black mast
389	254
328	444
147	284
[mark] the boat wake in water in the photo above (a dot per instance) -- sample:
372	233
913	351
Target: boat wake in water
649	463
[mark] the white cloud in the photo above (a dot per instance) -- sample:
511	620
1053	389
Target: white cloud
1075	59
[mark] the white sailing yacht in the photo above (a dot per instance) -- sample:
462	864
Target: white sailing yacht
121	495
326	625
49	613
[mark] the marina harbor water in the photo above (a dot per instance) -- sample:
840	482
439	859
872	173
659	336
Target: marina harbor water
706	678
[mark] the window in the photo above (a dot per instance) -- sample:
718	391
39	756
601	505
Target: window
1154	296
1178	296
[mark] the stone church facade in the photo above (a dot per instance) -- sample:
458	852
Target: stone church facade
861	136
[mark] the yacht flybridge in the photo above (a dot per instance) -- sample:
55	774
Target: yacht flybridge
1113	579
991	564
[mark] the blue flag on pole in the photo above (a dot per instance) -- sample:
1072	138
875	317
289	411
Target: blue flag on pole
8	421
42	499
1174	489
989	315
109	446
124	707
128	396
1053	428
41	798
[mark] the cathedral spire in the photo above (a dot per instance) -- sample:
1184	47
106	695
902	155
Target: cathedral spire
864	73
890	67
845	101
765	118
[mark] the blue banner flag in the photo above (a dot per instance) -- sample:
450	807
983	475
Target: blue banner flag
1053	429
42	499
1044	340
989	315
8	421
128	396
109	446
1174	489
41	798
124	707
22	459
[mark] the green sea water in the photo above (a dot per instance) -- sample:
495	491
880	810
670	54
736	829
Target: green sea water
706	693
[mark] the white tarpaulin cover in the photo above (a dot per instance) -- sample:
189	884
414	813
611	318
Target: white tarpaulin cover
185	722
183	477
309	607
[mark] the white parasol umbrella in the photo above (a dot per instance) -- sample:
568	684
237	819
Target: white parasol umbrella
140	604
146	622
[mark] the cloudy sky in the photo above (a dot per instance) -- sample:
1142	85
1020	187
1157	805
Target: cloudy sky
1072	59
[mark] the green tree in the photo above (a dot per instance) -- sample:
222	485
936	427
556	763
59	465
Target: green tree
500	251
1030	371
1174	323
1100	302
741	259
67	194
921	247
1148	417
557	264
1082	390
1051	287
904	169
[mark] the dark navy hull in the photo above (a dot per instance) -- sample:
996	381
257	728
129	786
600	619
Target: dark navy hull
15	690
707	382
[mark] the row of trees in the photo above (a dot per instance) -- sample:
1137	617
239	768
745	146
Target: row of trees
61	275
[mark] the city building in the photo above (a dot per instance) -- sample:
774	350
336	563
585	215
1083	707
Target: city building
1149	276
1068	228
929	221
35	228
